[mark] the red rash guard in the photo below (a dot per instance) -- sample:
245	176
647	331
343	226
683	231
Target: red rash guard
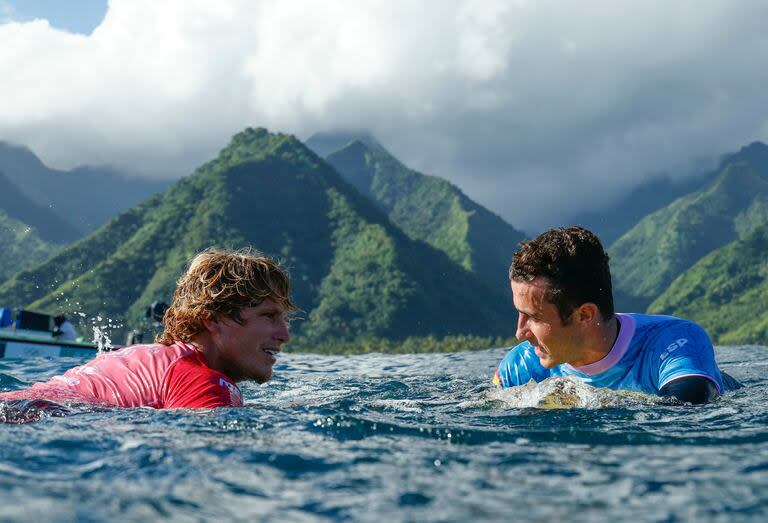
157	376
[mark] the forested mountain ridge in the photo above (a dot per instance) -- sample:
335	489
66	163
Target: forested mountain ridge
28	233
668	242
431	209
354	273
726	291
657	192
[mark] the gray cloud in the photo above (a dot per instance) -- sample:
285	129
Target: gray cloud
535	109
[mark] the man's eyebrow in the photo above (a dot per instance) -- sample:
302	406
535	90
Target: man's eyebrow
531	314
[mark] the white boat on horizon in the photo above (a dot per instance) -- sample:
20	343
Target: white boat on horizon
28	334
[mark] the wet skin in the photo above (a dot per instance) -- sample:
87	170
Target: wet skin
579	340
247	351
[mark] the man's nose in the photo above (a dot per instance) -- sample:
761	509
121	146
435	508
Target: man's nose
282	333
522	327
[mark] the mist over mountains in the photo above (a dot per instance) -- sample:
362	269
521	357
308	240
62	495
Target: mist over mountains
83	198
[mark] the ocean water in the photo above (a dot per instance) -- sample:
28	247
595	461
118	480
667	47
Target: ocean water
396	438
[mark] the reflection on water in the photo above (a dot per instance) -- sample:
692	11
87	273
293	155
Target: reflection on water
396	438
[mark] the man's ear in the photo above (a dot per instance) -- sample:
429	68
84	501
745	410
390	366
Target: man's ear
587	313
211	325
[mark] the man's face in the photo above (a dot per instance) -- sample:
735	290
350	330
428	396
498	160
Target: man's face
248	351
539	323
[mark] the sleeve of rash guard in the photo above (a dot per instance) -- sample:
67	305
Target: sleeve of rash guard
192	386
687	351
518	367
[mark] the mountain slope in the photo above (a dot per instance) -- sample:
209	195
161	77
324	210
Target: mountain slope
28	233
432	210
668	242
726	291
655	194
610	224
47	225
85	197
354	273
21	246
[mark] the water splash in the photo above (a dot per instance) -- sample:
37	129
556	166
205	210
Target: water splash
101	332
569	392
101	338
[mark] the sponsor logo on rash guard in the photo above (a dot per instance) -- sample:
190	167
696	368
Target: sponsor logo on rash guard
233	390
673	347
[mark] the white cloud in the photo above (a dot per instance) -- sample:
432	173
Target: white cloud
531	107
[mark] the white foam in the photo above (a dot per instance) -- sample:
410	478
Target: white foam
568	392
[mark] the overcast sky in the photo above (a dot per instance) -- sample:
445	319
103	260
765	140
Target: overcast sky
534	109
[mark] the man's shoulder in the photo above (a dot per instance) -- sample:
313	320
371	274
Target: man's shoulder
153	351
150	361
190	382
659	336
657	326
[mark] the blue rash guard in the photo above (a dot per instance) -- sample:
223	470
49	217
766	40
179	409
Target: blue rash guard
649	352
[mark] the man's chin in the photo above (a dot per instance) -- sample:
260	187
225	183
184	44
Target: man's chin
263	378
544	359
546	362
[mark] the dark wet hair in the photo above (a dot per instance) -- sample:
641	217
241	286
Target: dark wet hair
573	261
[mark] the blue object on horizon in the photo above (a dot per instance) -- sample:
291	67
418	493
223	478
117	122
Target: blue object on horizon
6	317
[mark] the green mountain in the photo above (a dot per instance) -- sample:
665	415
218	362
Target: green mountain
84	198
432	210
28	233
610	224
726	291
22	246
354	273
668	242
47	224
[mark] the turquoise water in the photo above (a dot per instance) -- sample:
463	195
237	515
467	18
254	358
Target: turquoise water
396	438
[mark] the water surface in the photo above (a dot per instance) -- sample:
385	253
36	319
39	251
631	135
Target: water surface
396	438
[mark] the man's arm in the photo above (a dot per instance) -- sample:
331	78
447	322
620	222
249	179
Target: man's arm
688	370
691	389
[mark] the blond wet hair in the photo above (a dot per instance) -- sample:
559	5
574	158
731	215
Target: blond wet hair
220	283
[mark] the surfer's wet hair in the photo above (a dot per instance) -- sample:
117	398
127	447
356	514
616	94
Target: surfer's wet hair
222	283
573	261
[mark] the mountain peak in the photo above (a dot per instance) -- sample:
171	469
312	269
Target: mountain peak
754	154
256	141
253	144
327	142
18	157
755	147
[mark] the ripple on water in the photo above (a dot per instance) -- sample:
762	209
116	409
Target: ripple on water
396	438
